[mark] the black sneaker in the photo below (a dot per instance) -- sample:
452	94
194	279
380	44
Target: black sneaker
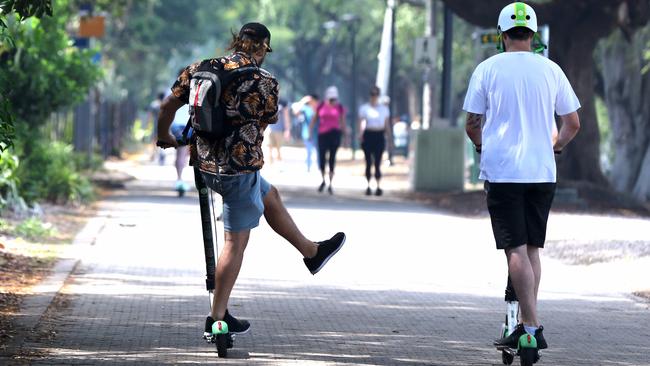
512	340
326	250
329	189
539	336
321	187
368	191
208	327
236	326
208	336
378	192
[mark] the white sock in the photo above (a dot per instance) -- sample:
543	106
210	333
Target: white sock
530	329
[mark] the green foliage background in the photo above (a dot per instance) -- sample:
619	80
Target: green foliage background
41	73
45	71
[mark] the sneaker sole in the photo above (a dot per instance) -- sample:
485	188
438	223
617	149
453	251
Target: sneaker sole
239	333
327	259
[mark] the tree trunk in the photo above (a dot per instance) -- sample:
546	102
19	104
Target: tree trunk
575	28
627	92
581	158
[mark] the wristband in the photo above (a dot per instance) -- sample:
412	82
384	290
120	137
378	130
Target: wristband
557	152
478	148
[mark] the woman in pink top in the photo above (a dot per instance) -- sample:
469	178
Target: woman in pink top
330	115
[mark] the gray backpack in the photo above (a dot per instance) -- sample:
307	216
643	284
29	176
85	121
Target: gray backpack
207	112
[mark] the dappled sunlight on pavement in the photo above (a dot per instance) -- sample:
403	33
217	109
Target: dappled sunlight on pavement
411	286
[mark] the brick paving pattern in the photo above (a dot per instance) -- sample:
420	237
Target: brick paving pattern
411	287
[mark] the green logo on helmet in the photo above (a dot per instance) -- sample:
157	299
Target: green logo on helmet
521	19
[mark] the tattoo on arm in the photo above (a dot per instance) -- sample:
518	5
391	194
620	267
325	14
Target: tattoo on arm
474	121
473	128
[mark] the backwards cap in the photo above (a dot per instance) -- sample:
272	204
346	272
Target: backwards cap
257	31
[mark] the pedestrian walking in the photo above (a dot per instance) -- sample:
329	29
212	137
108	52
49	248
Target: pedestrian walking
330	116
373	124
518	93
181	119
231	165
279	131
152	115
304	110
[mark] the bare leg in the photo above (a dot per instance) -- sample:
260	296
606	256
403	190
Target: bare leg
181	161
533	257
523	280
332	162
227	271
281	222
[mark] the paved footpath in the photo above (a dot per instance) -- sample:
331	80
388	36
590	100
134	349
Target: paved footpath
411	286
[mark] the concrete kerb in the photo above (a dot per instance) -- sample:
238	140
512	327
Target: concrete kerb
36	304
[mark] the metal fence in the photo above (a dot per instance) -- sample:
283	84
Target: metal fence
95	126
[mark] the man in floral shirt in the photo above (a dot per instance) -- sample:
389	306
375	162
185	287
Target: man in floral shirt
231	165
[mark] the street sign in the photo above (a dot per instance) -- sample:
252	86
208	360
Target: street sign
487	38
425	51
91	27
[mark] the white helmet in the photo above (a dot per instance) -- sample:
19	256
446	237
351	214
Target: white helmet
332	92
517	15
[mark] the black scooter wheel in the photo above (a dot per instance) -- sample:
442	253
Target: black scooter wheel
222	345
507	358
528	356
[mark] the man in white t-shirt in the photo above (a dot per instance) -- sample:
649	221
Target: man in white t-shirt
519	92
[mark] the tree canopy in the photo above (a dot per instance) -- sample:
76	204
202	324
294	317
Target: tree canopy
22	9
45	71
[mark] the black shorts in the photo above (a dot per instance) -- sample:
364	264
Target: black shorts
519	212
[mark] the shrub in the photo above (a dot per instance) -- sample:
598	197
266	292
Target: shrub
9	182
34	229
50	172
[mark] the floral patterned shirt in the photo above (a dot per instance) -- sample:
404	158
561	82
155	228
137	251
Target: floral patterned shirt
251	103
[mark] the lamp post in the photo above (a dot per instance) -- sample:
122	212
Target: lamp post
352	21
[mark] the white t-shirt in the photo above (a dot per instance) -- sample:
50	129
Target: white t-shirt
519	94
374	116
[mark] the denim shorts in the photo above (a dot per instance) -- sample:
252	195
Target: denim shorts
243	198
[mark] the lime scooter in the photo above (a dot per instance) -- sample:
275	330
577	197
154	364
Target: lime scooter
527	344
220	334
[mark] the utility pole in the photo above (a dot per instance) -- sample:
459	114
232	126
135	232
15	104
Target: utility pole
429	90
353	31
445	95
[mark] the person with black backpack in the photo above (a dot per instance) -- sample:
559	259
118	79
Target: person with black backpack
232	101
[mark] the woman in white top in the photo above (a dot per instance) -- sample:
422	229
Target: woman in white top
373	122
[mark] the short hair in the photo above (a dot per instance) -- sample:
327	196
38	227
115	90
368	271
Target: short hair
246	44
314	96
519	33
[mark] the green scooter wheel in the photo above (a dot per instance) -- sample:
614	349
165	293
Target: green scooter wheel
527	348
220	331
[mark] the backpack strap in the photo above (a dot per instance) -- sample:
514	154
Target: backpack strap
230	75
